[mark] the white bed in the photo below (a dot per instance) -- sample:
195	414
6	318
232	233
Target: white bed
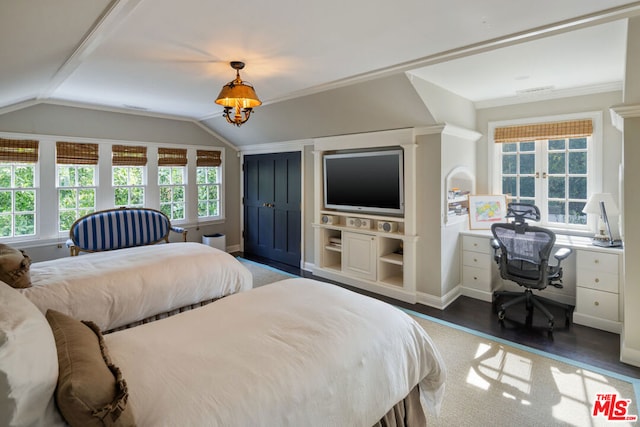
294	353
122	287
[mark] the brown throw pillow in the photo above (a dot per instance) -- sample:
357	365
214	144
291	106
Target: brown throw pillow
14	267
91	390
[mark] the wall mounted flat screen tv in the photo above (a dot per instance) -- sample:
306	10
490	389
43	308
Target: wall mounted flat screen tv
368	182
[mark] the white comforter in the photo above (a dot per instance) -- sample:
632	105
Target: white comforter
293	353
119	287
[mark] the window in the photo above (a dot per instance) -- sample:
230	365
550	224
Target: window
208	183
549	165
18	159
76	181
128	175
172	166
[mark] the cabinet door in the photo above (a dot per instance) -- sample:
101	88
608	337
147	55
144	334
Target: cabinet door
359	255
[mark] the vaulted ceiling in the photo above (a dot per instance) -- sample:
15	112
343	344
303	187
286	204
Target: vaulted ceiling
319	67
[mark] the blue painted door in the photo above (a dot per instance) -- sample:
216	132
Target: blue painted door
272	200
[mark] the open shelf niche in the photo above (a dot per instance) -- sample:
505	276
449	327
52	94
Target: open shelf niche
459	184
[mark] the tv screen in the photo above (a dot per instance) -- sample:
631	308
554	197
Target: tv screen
369	182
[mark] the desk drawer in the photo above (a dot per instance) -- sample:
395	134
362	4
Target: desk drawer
603	305
477	278
598	280
477	244
476	259
598	261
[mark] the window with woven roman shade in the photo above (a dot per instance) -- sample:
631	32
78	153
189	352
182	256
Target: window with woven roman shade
76	171
128	155
18	150
18	159
544	131
172	156
208	158
208	182
548	163
172	182
128	175
76	153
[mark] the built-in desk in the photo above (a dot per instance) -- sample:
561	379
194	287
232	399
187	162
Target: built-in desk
592	278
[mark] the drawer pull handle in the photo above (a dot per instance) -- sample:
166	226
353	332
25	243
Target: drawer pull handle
475	277
597	280
475	244
596	303
475	260
596	261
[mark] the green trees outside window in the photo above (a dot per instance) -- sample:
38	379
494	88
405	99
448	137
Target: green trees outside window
17	200
128	183
76	193
171	180
552	174
208	191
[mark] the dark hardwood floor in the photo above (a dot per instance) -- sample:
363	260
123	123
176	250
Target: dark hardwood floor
576	342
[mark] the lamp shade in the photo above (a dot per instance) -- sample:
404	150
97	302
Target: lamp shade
593	204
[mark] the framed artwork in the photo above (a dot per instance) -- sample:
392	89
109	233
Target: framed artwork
485	210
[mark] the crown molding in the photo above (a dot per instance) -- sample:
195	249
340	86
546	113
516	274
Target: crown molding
621	112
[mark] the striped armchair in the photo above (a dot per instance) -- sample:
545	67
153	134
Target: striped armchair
120	228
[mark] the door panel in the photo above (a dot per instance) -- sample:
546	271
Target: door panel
272	206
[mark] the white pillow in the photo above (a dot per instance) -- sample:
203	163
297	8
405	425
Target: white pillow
28	363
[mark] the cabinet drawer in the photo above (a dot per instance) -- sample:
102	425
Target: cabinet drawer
598	280
603	305
599	261
476	259
477	278
476	244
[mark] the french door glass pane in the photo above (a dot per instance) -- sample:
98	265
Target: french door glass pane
576	216
578	162
527	163
556	144
557	163
527	146
578	187
509	163
509	185
527	186
578	143
556	211
557	187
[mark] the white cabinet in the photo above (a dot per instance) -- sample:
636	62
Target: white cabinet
478	274
359	255
598	290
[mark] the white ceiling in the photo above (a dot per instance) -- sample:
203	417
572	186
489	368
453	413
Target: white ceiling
171	58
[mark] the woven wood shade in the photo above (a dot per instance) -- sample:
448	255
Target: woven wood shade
18	150
75	153
539	131
128	155
208	158
172	156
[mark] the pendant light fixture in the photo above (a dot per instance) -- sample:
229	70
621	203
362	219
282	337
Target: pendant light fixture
239	96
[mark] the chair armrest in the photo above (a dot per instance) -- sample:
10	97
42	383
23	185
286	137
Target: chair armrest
494	244
180	230
562	253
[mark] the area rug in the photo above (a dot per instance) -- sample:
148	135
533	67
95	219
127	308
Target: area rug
264	274
493	382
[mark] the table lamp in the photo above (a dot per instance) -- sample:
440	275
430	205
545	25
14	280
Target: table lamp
598	204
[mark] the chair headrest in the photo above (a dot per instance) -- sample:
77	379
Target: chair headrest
522	211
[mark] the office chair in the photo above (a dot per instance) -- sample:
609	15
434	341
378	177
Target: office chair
522	252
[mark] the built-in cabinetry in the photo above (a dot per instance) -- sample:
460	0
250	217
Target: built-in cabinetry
591	278
479	276
363	252
598	288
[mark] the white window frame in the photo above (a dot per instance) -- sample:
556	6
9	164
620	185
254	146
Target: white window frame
130	186
172	185
77	188
595	163
217	185
13	190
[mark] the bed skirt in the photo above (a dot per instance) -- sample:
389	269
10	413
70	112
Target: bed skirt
162	315
406	413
